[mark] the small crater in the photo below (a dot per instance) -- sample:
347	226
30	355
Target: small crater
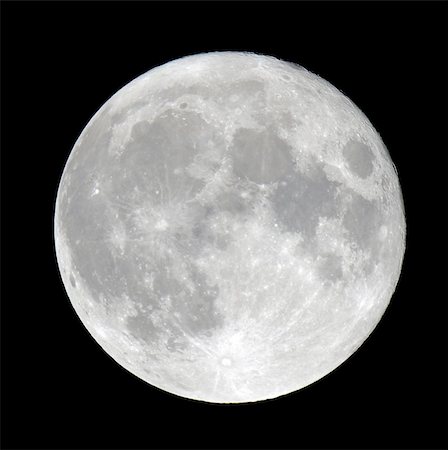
227	362
161	225
382	234
72	280
183	105
286	77
359	157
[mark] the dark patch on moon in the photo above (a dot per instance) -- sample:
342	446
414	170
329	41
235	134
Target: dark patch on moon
330	269
231	202
359	157
301	199
158	154
362	220
260	156
197	310
204	235
190	312
142	327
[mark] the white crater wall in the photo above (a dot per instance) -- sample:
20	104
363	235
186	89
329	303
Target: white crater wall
229	227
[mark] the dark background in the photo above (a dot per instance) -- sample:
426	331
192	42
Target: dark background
60	63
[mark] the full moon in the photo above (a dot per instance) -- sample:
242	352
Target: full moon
229	227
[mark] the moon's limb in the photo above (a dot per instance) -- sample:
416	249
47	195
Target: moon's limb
229	227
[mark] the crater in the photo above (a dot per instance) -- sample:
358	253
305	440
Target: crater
227	362
359	158
139	130
382	234
72	280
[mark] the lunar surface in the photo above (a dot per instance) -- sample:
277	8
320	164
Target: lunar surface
229	227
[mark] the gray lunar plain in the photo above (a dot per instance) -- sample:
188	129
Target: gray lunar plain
229	227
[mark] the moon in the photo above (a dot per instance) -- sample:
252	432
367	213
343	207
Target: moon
229	227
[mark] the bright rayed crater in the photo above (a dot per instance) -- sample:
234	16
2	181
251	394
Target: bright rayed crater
229	227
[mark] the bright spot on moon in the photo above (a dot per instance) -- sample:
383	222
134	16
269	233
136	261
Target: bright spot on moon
229	227
226	361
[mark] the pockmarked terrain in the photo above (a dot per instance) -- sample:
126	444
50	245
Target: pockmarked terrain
229	227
